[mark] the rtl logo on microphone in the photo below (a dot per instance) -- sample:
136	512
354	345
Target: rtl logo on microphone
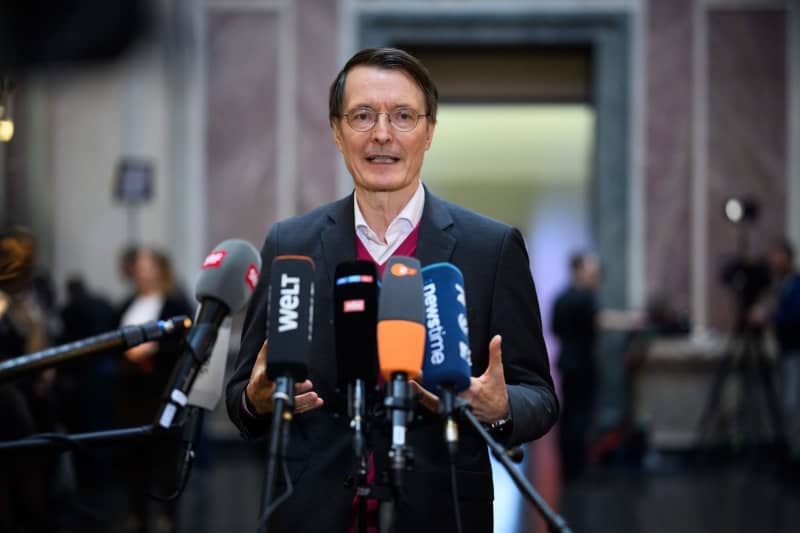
252	277
214	259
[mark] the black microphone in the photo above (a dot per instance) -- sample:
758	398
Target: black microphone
227	281
290	318
124	338
355	301
401	344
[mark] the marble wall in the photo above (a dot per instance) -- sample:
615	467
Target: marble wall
669	150
317	53
747	154
267	150
744	108
267	110
242	135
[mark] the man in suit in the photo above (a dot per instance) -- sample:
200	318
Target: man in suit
383	116
575	321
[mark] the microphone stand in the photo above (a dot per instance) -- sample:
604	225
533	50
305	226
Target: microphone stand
363	450
554	521
447	407
282	414
58	442
356	401
400	455
125	337
62	442
362	491
192	426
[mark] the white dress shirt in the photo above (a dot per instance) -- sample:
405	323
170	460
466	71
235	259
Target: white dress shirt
400	228
143	309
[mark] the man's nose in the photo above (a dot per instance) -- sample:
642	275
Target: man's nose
382	132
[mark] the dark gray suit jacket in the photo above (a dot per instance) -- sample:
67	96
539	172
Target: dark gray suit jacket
501	299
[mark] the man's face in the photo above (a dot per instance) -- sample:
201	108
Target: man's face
383	159
589	274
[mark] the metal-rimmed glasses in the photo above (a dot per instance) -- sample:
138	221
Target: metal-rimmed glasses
364	119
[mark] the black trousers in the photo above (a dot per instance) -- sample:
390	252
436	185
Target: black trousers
577	409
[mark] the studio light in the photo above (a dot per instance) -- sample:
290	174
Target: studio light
738	210
6	119
6	130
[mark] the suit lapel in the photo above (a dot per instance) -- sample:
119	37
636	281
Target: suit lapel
338	239
435	242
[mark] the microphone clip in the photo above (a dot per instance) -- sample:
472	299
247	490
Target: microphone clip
450	404
283	396
404	404
401	458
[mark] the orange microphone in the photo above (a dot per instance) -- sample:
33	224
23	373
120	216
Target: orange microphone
401	345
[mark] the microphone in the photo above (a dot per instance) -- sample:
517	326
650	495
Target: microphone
228	278
290	322
124	338
207	389
401	344
447	365
289	326
355	300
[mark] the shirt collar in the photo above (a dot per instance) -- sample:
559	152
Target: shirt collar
410	215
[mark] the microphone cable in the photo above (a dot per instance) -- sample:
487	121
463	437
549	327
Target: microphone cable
186	472
454	491
189	453
262	520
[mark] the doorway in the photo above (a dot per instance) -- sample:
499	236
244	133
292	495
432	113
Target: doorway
518	149
501	71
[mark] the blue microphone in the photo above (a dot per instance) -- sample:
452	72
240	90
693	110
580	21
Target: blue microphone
447	366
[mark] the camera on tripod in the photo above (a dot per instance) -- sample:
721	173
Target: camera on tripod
748	278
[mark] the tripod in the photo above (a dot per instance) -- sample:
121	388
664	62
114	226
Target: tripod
744	354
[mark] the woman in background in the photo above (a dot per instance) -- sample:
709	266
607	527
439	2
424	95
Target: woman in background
144	373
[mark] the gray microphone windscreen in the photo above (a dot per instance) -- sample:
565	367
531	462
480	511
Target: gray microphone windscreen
229	274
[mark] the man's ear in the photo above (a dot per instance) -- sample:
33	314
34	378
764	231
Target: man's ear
336	129
429	135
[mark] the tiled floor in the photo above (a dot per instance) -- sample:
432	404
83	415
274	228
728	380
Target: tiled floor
729	499
678	496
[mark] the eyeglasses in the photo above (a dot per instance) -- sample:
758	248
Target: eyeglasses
401	119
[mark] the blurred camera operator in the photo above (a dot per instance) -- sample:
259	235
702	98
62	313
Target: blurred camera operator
785	319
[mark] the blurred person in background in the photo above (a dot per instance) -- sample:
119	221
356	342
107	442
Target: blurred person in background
785	318
84	315
575	325
577	321
24	480
86	385
126	262
144	372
